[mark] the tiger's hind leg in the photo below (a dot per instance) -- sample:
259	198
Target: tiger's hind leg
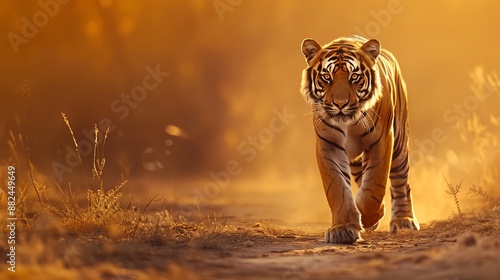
402	214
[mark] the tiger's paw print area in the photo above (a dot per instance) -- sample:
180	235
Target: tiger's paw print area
342	234
404	223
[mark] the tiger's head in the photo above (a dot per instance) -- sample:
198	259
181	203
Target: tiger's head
341	80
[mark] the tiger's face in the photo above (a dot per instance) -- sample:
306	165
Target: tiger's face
340	81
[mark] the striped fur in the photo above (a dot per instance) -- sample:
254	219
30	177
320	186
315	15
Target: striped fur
360	116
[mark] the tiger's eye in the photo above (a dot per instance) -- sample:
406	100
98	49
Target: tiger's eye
326	76
354	76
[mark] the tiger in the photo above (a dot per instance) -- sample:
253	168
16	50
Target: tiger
360	116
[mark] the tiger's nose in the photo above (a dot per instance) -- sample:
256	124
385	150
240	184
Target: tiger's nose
340	103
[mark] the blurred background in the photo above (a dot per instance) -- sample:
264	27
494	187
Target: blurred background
195	90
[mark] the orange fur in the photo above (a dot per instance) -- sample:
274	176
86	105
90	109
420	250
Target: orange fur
360	110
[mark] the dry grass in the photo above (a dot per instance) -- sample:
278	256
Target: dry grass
480	134
104	214
279	231
67	231
471	152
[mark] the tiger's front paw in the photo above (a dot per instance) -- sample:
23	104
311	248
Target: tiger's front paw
345	234
408	222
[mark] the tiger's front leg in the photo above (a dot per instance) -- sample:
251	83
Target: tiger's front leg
376	164
335	173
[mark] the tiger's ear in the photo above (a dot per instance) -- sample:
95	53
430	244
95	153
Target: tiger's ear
372	48
309	49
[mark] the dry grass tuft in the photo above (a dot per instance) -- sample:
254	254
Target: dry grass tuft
277	231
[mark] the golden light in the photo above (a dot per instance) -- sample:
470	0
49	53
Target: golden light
105	3
93	28
126	25
175	131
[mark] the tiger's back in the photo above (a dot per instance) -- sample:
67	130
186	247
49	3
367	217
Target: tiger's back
360	110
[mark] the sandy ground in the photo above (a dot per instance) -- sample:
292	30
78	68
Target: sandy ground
456	248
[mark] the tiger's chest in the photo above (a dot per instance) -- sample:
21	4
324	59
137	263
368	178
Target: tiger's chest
354	146
366	133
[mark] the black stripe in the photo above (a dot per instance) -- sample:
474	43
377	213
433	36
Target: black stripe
400	167
398	147
398	197
400	176
369	130
366	95
339	45
369	167
399	211
350	63
399	186
334	127
362	66
376	199
399	140
360	118
372	74
329	55
331	143
356	163
311	89
357	178
355	174
374	143
402	205
343	172
405	170
383	132
336	68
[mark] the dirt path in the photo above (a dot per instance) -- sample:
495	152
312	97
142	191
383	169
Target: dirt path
453	249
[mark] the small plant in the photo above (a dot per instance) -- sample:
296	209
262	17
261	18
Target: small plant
103	206
454	192
212	232
478	191
102	210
